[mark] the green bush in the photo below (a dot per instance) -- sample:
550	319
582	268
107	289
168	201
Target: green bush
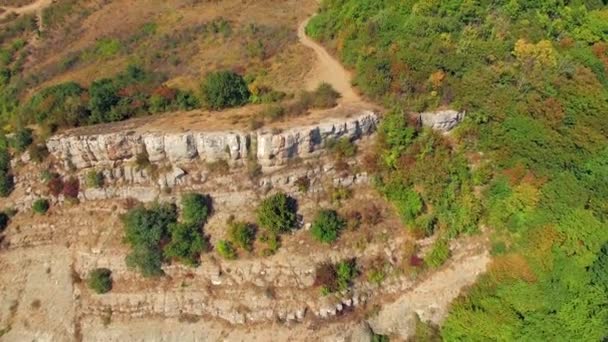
336	277
187	243
195	208
226	250
40	206
242	234
223	89
145	229
100	280
5	159
327	226
6	183
23	139
60	105
277	213
439	254
95	179
4	220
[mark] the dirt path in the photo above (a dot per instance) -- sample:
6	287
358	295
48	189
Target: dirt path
328	69
37	6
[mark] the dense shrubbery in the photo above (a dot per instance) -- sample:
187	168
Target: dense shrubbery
242	234
155	234
224	89
336	277
195	208
327	226
145	229
532	76
187	243
277	213
100	280
129	93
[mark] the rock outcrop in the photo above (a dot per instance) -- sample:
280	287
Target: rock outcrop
443	120
271	148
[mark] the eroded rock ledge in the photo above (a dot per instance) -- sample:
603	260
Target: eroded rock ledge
271	148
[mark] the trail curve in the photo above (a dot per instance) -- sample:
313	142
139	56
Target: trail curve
327	69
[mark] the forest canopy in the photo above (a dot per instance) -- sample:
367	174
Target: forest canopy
533	79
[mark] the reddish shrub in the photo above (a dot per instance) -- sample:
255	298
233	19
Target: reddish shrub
55	186
165	92
71	188
416	261
325	275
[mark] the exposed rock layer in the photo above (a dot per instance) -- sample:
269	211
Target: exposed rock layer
270	148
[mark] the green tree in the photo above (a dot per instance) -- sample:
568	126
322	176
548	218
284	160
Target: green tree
103	95
195	208
145	229
277	213
100	280
223	89
327	226
187	243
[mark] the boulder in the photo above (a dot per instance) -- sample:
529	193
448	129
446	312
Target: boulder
444	120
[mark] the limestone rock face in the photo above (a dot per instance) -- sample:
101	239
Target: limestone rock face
443	120
302	142
180	147
271	148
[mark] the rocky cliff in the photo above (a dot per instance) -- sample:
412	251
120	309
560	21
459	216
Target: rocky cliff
270	147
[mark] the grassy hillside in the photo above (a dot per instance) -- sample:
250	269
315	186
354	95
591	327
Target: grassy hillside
533	78
173	45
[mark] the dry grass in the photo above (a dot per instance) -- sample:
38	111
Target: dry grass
284	63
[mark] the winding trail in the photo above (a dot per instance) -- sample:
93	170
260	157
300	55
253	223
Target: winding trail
36	6
328	69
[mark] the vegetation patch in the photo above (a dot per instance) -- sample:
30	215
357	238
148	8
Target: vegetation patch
533	81
156	236
100	280
327	226
224	89
41	206
336	277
